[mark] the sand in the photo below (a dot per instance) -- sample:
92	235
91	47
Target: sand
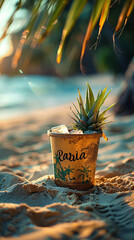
33	207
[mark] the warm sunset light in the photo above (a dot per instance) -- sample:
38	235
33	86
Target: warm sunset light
6	47
66	124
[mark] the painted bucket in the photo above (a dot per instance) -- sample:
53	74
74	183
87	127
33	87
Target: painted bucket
74	157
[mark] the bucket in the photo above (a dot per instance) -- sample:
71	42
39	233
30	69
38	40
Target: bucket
74	157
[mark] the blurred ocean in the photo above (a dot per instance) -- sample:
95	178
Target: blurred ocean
22	94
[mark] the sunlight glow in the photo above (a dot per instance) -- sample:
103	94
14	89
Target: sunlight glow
6	48
20	18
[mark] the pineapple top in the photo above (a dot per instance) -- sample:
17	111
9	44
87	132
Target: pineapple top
87	117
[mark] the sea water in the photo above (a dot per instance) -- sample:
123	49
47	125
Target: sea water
22	94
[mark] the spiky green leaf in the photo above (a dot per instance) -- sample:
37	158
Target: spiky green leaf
104	112
99	101
81	105
106	96
87	105
76	109
91	96
93	120
76	116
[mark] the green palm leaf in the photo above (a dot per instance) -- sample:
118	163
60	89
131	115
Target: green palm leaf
47	12
11	19
74	13
92	23
59	6
44	17
1	3
123	14
104	14
35	13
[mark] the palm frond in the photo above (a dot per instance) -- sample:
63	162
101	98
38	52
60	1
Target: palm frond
34	16
1	3
92	23
104	14
131	7
123	14
11	19
58	8
74	13
46	13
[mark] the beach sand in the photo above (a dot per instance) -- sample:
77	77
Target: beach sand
33	207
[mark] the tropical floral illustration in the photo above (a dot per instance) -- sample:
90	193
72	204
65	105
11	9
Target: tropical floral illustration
64	173
68	171
60	172
84	174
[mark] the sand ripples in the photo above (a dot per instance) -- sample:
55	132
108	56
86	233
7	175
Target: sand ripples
33	207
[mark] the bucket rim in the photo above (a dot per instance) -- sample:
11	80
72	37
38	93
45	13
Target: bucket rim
92	135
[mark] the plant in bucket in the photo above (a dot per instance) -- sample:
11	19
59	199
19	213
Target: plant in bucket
74	151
